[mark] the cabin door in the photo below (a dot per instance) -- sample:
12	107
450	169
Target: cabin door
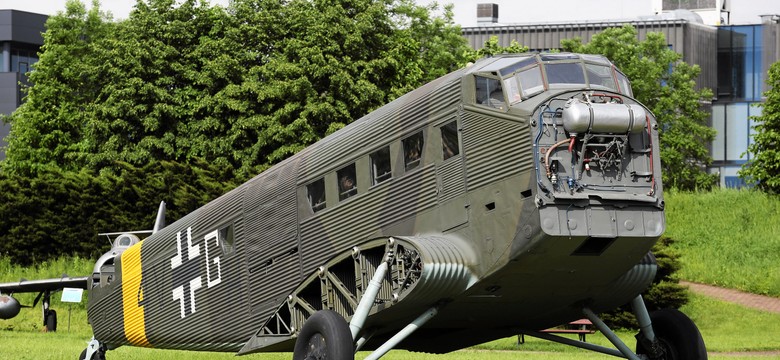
450	177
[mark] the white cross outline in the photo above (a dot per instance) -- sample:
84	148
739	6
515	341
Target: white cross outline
192	251
176	261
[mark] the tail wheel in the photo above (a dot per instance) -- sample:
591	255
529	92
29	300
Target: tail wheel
677	335
96	356
324	336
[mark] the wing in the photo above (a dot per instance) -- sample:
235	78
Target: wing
23	286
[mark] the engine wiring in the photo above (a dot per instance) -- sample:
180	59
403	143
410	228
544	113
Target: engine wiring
608	151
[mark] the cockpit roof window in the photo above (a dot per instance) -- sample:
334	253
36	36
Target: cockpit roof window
500	64
560	56
596	59
565	73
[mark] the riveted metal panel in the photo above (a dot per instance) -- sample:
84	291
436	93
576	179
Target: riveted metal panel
452	180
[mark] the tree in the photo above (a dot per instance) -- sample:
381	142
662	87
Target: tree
47	128
491	47
666	85
244	87
59	212
764	167
664	292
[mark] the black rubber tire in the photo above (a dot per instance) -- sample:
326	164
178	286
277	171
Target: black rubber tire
96	356
51	321
324	336
678	335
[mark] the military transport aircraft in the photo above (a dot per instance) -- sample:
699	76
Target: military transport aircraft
513	195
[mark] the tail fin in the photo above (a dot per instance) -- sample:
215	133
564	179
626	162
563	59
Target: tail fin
159	223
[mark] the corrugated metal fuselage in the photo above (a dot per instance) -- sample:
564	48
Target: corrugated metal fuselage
211	279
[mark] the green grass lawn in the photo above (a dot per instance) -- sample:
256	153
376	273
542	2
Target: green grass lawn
726	328
728	238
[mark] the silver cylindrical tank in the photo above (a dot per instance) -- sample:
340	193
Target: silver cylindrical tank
581	117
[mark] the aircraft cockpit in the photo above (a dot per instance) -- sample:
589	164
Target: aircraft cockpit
511	80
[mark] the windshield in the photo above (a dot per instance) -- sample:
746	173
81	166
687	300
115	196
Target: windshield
512	79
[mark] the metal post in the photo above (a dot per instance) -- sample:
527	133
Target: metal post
610	335
403	334
367	300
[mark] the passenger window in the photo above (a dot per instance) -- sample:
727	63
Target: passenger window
226	239
413	146
347	182
380	165
449	140
316	194
489	92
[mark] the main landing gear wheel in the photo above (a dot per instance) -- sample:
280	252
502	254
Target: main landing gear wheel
677	335
50	320
324	336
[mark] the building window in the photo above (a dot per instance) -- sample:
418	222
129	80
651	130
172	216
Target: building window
740	66
688	4
316	194
449	140
380	165
413	146
347	182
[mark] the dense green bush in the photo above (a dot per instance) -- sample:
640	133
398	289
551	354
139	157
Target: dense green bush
665	291
59	212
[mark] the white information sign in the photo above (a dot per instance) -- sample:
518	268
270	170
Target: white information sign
72	295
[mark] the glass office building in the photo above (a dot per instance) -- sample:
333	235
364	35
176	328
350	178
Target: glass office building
20	40
745	53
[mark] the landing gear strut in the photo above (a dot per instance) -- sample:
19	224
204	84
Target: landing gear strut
664	335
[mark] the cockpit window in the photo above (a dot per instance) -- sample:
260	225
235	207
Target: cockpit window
489	92
531	81
509	80
625	85
600	75
565	73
